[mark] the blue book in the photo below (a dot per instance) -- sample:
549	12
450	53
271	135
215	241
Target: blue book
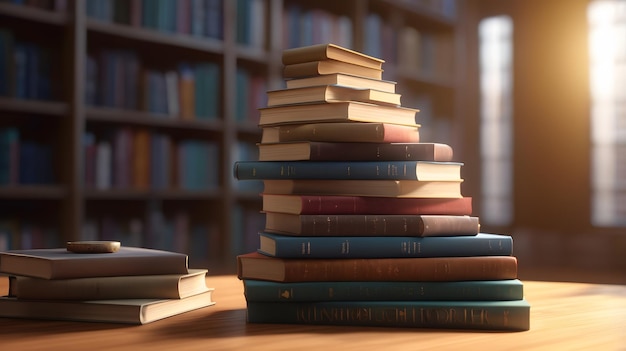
485	290
349	170
485	315
483	244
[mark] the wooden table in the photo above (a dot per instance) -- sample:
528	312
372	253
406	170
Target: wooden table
564	316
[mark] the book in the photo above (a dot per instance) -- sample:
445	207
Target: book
62	264
478	290
329	51
376	188
255	265
341	79
370	225
340	111
332	204
348	170
162	286
127	311
485	315
342	132
330	93
314	68
346	151
285	246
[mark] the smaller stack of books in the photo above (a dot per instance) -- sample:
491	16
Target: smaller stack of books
132	285
365	224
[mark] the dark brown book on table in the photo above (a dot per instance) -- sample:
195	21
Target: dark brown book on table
342	132
329	51
340	151
258	266
333	204
370	225
315	68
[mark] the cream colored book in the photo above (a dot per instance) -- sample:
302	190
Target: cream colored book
327	93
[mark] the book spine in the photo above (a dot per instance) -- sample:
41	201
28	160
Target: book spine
485	315
385	170
380	247
441	225
379	151
493	290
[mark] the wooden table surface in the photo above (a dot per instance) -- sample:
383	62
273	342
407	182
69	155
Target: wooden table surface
564	316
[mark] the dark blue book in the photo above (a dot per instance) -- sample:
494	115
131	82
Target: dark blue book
487	290
483	244
348	170
485	315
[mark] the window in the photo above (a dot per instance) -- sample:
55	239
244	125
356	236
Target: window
496	117
607	54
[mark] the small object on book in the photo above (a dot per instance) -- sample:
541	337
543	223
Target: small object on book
93	246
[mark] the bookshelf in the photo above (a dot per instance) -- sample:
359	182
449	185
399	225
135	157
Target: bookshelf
131	150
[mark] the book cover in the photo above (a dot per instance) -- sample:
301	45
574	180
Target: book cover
351	151
370	225
255	265
336	204
329	51
376	188
483	244
161	286
485	315
341	111
346	170
62	264
342	132
126	311
486	290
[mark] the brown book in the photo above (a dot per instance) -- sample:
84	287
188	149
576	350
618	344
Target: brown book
378	188
141	159
315	68
257	266
345	80
62	264
342	132
370	225
329	51
345	151
333	204
344	111
330	93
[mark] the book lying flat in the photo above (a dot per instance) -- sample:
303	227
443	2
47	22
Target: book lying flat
345	80
329	51
485	315
285	246
255	265
335	204
162	286
129	311
329	93
364	132
62	264
329	66
478	290
371	225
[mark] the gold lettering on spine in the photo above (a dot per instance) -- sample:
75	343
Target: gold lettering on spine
345	247
305	248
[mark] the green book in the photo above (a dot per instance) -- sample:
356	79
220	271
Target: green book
485	315
488	290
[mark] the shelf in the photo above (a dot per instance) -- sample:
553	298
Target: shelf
33	192
139	118
34	107
136	194
33	14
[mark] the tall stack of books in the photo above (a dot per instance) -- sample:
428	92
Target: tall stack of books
131	285
365	224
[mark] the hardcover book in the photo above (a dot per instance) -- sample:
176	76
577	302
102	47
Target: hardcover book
370	225
255	265
341	79
330	93
342	132
329	51
485	315
483	244
314	68
62	264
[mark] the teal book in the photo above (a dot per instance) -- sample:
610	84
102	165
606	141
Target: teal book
487	290
484	315
482	244
349	170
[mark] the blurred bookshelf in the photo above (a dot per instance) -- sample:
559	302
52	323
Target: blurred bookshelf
122	119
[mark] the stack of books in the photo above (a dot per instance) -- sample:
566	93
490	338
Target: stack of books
365	224
132	285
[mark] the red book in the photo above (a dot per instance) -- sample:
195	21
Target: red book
330	204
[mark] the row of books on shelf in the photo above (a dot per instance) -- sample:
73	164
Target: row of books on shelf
26	234
24	161
118	79
25	69
138	158
250	95
130	285
201	18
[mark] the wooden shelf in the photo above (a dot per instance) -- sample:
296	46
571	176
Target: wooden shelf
34	14
34	107
33	192
139	118
168	194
